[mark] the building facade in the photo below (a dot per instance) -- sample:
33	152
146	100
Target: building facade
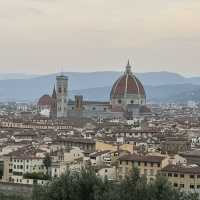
127	100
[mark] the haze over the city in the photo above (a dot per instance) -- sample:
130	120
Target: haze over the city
45	36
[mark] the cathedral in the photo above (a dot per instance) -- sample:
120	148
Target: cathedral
127	100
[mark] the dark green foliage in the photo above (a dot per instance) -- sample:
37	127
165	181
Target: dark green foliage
37	176
47	163
87	186
11	197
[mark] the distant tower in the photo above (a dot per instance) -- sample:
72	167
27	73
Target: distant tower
53	111
78	102
62	95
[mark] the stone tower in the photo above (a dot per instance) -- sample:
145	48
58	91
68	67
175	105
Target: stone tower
62	95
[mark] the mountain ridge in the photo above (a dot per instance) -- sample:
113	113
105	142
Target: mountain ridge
159	86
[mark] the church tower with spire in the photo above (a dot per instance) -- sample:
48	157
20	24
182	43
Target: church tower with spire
53	110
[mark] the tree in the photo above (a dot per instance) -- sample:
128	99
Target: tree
87	186
47	163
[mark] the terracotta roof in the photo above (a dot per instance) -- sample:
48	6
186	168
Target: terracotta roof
76	140
142	158
45	100
182	169
126	85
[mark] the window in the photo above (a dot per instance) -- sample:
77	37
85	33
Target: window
138	163
104	109
175	185
182	176
106	170
145	171
145	164
175	175
169	174
119	101
151	164
192	176
182	185
152	172
93	108
191	186
158	164
198	176
198	186
59	90
132	101
127	162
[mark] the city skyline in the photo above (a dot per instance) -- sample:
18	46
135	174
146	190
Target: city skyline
45	36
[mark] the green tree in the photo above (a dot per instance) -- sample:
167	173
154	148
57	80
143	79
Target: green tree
47	163
87	186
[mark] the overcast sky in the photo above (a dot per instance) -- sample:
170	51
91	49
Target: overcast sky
44	36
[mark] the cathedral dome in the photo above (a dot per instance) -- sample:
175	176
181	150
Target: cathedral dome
45	100
128	88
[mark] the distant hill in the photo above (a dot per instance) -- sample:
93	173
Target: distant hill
159	86
6	76
163	93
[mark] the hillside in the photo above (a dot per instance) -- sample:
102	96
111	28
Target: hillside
159	86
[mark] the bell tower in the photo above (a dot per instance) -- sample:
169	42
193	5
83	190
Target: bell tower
62	95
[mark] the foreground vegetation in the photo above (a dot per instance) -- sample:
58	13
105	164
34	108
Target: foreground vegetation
10	197
87	186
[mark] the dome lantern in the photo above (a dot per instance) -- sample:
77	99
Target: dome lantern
128	68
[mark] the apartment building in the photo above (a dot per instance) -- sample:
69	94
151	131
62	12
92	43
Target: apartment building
184	177
148	165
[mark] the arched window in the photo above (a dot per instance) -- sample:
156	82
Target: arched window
119	101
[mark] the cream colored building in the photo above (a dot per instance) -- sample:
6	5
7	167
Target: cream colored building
102	146
22	162
186	178
108	173
149	166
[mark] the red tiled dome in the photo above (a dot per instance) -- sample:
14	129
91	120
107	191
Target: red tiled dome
45	100
126	85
